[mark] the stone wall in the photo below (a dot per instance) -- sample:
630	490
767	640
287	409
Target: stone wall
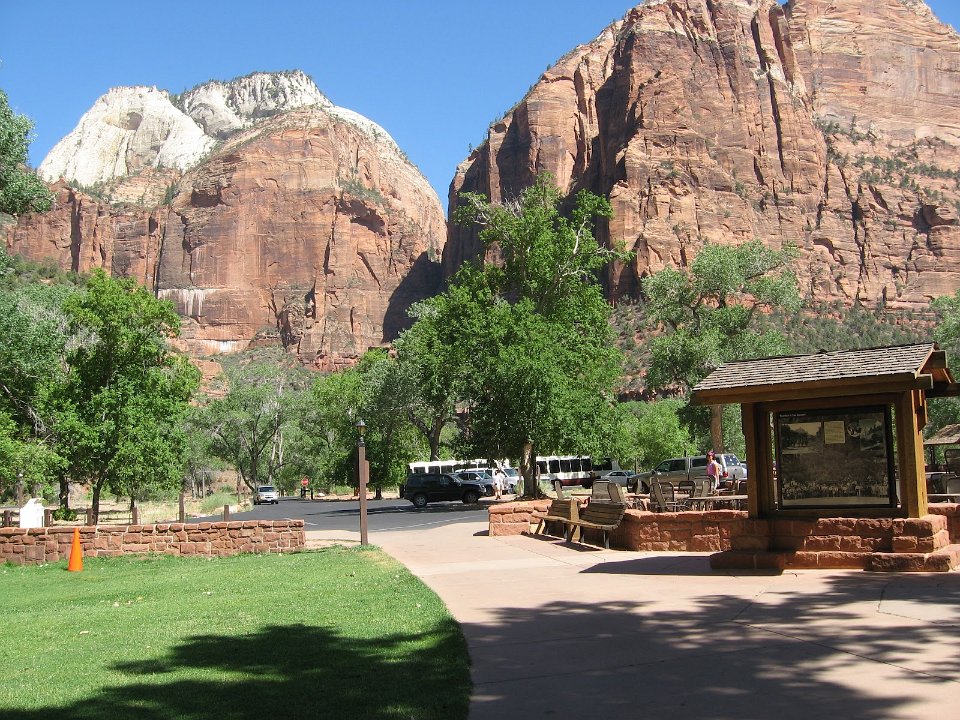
37	546
902	544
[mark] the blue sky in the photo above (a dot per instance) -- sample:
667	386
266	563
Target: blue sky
433	73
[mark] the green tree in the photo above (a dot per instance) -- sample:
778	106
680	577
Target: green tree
32	366
120	410
250	425
427	375
947	332
532	329
20	190
368	392
707	315
946	411
661	432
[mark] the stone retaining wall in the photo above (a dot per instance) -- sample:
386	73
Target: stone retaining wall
929	543
36	546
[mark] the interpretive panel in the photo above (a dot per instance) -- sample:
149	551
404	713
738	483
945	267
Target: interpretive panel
835	458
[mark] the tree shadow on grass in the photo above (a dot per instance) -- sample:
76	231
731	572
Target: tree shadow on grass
287	671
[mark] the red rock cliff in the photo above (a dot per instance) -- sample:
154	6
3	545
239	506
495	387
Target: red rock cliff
834	126
308	229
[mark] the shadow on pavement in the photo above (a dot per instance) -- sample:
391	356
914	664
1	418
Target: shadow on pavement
783	654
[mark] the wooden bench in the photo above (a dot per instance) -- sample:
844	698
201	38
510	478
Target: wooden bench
603	516
561	510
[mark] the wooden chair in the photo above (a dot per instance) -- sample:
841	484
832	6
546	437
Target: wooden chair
663	498
607	491
703	488
740	488
687	488
616	492
953	487
600	490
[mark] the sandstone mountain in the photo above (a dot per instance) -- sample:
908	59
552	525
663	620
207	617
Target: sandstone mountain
262	210
831	125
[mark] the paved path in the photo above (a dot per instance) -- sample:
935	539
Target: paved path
570	631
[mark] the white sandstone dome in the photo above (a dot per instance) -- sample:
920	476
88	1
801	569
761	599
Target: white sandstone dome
127	130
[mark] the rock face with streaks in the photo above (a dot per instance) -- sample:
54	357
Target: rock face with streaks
833	126
306	226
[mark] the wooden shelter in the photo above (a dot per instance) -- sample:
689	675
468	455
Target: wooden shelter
834	434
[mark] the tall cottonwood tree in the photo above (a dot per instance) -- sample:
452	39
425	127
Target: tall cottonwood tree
120	409
427	376
706	314
372	392
535	345
249	426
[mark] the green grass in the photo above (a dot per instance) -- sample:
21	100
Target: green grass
339	633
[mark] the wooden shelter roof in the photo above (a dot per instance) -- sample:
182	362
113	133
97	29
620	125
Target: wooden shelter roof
829	374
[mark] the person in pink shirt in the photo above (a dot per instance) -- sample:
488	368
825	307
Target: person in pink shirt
713	470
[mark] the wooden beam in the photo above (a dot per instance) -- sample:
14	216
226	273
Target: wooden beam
913	483
756	471
802	391
947	390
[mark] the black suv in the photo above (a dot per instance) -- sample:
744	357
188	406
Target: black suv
423	488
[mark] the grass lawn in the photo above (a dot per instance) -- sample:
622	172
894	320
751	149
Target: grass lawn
338	633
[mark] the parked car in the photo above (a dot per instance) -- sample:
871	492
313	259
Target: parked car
477	475
266	494
424	488
621	477
693	466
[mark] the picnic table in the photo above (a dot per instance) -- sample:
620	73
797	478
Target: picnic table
707	500
944	497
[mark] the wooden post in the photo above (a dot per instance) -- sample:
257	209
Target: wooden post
910	411
183	510
89	517
47	517
226	513
7	518
755	472
135	515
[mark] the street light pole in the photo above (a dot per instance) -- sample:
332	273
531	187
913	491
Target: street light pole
363	471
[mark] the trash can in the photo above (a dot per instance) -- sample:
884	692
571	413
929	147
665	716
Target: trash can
31	514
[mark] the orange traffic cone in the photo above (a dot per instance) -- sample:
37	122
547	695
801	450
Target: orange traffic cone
76	553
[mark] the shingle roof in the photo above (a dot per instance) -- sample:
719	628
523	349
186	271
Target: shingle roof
841	365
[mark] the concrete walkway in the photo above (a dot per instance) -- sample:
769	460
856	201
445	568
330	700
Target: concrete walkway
573	631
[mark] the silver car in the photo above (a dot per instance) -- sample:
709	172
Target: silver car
266	494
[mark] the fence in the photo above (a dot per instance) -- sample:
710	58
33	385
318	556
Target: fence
11	517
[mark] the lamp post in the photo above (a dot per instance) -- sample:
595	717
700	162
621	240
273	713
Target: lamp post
363	470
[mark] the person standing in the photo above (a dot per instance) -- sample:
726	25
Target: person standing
713	470
499	481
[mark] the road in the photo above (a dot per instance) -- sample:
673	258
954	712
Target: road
382	515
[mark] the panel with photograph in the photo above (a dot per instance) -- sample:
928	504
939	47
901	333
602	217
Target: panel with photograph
835	458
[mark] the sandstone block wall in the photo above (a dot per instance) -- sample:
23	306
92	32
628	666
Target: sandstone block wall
927	544
36	546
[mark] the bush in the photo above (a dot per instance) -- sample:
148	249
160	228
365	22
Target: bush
215	502
64	514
